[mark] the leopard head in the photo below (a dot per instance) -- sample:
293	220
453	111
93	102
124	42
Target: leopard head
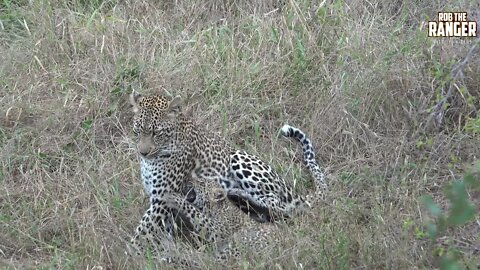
218	194
154	122
215	194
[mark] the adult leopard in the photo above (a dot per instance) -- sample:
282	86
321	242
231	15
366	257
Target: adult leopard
235	231
173	149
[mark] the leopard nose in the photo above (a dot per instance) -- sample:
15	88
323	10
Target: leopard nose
143	152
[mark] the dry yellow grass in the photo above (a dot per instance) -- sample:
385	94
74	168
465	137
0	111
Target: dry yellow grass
359	76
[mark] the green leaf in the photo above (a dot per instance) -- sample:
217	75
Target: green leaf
462	210
432	230
420	234
450	261
255	68
87	124
469	179
431	206
407	224
322	13
274	34
450	264
117	91
472	178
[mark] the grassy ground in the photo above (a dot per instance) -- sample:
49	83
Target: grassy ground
360	77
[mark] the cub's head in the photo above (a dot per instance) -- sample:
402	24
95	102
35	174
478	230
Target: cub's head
213	192
217	194
154	122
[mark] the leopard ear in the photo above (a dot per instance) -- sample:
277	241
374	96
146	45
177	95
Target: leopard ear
135	99
175	105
